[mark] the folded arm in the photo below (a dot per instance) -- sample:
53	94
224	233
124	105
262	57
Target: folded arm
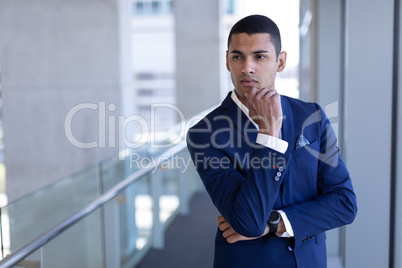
232	236
244	196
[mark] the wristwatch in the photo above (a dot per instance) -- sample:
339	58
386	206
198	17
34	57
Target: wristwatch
273	221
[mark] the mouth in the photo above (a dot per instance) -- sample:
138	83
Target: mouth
248	82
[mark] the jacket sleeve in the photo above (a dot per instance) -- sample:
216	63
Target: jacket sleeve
244	195
335	205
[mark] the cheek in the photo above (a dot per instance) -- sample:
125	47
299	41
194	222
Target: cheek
233	78
233	73
269	79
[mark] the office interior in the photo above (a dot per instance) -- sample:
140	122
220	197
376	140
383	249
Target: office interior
97	95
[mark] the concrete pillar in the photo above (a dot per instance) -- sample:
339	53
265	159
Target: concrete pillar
320	77
307	63
328	78
398	154
58	56
320	51
329	52
200	55
369	128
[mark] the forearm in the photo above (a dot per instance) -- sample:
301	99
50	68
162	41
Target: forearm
244	199
321	214
232	236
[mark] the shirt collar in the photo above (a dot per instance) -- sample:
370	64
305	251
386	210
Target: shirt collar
242	107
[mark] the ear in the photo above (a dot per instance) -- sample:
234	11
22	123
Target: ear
282	61
227	60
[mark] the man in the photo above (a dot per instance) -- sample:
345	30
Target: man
270	163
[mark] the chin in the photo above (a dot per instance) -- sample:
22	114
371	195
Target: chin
240	93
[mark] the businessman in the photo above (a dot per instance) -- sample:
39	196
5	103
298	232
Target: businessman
270	163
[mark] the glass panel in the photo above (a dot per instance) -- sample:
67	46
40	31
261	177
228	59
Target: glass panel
32	215
82	245
135	216
121	167
193	180
32	260
143	212
169	199
78	246
112	173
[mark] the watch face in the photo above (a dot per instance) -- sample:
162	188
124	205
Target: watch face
274	216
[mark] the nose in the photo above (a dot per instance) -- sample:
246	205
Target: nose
248	67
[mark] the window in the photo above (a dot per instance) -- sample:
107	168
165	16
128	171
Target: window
139	7
230	7
154	7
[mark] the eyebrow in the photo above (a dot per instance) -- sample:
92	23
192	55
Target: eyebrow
254	52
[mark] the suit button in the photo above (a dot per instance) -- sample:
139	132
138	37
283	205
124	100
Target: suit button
290	248
280	169
277	178
278	174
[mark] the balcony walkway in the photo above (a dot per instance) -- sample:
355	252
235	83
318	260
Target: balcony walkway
189	241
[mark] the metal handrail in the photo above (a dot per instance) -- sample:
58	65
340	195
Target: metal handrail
37	243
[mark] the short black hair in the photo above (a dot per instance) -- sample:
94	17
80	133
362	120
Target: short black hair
258	24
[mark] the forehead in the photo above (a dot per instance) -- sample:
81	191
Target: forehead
244	41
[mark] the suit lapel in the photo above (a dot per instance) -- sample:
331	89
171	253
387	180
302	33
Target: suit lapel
240	120
287	125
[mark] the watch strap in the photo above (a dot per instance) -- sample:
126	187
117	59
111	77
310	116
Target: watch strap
273	227
273	221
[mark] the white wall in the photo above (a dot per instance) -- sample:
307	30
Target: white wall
56	55
200	69
368	129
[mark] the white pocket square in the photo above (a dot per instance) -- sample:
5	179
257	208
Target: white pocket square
301	142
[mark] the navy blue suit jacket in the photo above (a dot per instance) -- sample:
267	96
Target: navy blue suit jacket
246	181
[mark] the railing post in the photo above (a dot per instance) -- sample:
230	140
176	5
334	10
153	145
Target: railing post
158	230
112	234
131	231
184	191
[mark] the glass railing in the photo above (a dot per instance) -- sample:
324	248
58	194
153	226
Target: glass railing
119	231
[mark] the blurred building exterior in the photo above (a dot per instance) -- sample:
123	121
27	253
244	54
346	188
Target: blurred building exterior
73	74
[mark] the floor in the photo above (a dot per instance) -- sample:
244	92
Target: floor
189	241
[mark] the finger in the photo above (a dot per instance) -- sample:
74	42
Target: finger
261	93
224	226
276	97
233	238
252	92
251	95
228	233
221	220
266	93
271	93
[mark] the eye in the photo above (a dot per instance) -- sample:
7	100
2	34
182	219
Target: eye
236	57
260	57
